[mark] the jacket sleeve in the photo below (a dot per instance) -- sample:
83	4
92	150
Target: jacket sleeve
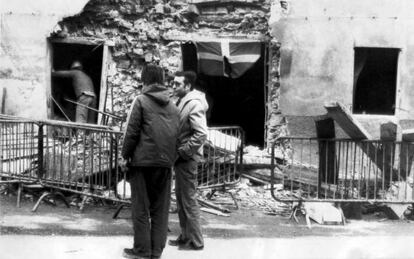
133	130
63	73
198	124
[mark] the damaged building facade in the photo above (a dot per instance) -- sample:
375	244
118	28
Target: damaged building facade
226	42
329	52
357	53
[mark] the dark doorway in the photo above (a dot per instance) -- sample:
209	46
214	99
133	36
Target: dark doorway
63	54
234	102
375	80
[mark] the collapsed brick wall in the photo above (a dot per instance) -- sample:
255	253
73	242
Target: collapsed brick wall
142	31
276	123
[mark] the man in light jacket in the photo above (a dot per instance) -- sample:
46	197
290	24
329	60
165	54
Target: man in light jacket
150	147
192	105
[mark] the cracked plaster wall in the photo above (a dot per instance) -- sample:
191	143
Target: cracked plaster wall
24	68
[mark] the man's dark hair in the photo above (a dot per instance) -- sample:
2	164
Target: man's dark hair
190	77
152	74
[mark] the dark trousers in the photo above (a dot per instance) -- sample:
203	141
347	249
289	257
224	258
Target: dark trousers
150	195
187	205
83	114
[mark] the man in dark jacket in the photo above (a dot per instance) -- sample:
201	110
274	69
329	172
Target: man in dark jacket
84	91
150	147
192	105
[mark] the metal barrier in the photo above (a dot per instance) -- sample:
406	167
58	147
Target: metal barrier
343	170
81	159
63	157
19	150
223	157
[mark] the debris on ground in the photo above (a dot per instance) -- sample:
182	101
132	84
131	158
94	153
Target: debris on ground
248	196
324	213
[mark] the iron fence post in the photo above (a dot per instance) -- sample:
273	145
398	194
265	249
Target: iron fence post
40	150
241	151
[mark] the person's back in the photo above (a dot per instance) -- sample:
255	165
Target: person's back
150	146
82	83
158	120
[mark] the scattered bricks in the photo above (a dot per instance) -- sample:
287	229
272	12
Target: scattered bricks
124	63
208	10
113	14
221	10
138	51
148	57
147	2
142	36
139	9
123	23
159	8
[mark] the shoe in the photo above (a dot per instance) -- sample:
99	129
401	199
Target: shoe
190	246
177	242
129	253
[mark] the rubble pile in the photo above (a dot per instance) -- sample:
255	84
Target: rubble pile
260	198
248	196
77	159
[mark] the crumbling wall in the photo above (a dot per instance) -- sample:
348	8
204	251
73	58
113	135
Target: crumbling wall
276	122
152	31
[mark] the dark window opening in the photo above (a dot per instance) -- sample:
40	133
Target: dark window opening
375	80
63	54
233	102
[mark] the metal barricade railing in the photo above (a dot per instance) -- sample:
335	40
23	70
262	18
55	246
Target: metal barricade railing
63	157
342	170
223	158
81	159
19	151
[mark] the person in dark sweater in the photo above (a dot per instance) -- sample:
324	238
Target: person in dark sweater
149	146
84	91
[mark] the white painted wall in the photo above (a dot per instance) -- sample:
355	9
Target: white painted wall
24	59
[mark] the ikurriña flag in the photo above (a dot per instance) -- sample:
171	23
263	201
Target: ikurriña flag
227	58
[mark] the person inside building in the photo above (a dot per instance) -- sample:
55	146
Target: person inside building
83	87
193	106
149	146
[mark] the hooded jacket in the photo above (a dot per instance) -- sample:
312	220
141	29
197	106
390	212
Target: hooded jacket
151	133
193	126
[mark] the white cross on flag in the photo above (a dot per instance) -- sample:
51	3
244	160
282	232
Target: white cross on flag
226	58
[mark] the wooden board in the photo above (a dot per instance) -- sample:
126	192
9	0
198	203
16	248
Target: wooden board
356	131
408	135
347	122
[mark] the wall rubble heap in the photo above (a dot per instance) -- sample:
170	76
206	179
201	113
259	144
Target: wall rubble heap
153	30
